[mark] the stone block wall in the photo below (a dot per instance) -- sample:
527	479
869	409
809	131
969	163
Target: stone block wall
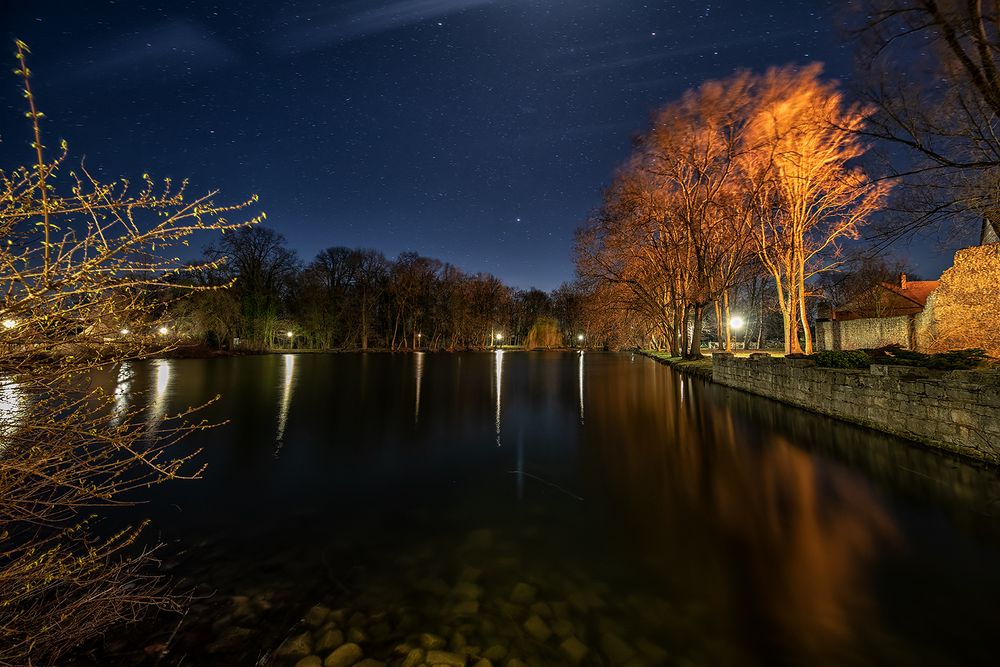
958	411
964	310
865	333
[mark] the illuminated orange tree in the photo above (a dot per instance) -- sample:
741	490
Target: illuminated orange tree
807	191
81	265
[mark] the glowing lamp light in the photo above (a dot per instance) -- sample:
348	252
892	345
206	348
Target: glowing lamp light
290	334
499	336
579	337
736	322
163	331
125	332
9	324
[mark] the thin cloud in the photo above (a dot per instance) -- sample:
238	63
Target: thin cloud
177	48
631	61
361	20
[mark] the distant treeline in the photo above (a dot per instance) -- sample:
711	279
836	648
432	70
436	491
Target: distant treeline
356	298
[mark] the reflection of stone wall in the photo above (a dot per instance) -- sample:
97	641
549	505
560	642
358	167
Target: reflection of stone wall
964	311
957	410
863	333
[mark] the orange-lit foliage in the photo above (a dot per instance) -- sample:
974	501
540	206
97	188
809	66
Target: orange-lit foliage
748	168
807	195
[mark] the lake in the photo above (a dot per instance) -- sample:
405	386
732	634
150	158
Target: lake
555	508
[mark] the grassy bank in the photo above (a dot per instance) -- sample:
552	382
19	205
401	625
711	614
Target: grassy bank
700	367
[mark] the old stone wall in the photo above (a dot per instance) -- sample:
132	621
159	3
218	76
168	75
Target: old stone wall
964	310
958	411
864	333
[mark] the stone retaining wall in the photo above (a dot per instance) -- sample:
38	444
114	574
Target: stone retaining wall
958	411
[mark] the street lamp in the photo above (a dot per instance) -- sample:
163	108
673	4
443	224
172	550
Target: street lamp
290	334
164	331
125	332
499	338
9	324
579	337
736	322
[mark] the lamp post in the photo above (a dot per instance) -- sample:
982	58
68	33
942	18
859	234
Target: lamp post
291	339
579	339
499	338
736	323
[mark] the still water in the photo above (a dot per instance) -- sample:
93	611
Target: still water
652	518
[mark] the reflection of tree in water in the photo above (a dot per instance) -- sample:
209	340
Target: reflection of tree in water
782	542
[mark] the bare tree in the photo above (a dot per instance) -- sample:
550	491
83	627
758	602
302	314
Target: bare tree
80	267
933	70
807	193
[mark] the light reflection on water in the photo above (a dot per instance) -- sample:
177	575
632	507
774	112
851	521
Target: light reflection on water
12	408
123	393
156	411
419	380
287	384
498	356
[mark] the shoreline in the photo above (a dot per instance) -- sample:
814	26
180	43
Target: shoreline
700	368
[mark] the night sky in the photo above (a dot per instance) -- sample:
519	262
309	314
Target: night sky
480	132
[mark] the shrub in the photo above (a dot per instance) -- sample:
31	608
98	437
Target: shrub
843	359
956	360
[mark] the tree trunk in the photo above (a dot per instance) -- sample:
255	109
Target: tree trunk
729	330
698	314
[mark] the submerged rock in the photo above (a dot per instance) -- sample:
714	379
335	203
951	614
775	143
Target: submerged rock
317	616
466	590
616	649
413	658
330	639
523	593
298	646
495	652
310	661
445	658
574	649
466	608
538	628
431	641
345	656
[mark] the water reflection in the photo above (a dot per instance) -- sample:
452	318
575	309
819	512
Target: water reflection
498	357
123	389
163	375
791	538
287	385
12	407
420	378
725	520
